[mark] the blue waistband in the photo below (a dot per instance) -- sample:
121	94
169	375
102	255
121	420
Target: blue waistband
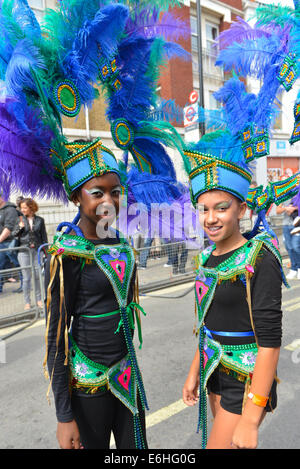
209	333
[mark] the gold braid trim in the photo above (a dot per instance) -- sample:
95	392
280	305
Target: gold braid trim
53	268
55	260
248	289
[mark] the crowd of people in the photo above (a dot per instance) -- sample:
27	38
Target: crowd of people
21	227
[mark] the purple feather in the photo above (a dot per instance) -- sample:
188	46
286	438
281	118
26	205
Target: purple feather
240	31
24	166
151	23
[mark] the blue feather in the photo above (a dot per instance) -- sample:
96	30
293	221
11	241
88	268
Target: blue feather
82	64
157	156
25	58
167	110
251	57
239	105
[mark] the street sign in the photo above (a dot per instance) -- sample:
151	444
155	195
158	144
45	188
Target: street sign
194	96
191	114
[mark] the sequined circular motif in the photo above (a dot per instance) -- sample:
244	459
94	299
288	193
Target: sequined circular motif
67	98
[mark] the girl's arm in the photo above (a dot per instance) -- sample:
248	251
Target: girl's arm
67	431
246	432
267	316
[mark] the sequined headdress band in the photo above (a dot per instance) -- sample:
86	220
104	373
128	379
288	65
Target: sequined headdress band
208	173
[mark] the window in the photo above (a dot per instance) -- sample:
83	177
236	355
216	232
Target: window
278	113
213	103
38	8
40	4
212	32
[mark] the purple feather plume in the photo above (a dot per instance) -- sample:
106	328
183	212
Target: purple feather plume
24	166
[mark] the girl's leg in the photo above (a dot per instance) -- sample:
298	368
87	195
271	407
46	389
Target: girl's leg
214	402
94	417
222	430
123	426
224	425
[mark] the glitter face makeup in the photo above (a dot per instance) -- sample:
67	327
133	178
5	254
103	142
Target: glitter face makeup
219	214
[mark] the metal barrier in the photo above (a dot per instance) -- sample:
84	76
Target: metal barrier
164	263
160	265
12	304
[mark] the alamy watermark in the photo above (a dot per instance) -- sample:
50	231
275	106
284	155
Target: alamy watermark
2	351
170	222
296	356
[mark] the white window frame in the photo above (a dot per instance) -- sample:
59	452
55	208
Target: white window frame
42	9
209	41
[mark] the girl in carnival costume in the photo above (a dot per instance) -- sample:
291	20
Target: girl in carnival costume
92	297
239	279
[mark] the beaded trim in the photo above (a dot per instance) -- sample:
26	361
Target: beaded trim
295	137
64	107
212	167
243	260
122	133
144	164
94	153
255	143
275	192
288	72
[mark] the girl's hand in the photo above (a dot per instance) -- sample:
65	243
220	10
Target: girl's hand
190	390
68	436
245	435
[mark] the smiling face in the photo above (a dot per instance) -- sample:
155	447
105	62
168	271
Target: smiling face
99	200
220	213
27	212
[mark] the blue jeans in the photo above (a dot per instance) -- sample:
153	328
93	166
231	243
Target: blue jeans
145	252
174	257
4	258
292	245
25	260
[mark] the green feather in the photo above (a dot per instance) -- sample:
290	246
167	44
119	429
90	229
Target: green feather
281	15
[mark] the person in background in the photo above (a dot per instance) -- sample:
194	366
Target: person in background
14	243
291	241
31	233
8	217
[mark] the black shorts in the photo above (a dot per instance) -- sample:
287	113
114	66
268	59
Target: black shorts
232	392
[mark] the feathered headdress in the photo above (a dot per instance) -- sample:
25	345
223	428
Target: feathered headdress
241	129
54	69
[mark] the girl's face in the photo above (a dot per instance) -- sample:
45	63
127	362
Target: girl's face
26	210
220	213
99	199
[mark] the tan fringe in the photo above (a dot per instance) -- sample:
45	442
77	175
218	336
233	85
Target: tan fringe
248	278
53	269
246	392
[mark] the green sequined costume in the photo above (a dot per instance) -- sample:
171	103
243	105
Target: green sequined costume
236	360
124	378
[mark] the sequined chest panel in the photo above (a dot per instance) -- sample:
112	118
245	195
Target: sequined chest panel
116	261
240	264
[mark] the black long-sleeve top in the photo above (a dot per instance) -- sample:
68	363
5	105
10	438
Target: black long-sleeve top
86	291
35	236
229	309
